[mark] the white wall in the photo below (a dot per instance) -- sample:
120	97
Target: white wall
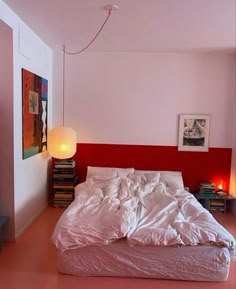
30	175
136	98
57	98
233	167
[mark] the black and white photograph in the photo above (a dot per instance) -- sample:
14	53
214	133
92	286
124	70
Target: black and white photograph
193	132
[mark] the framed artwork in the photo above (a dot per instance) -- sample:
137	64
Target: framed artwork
34	114
194	132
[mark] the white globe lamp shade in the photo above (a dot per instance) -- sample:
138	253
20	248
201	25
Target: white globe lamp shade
62	142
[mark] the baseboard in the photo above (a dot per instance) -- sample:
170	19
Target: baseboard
9	239
36	215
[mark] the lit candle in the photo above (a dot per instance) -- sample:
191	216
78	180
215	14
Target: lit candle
220	187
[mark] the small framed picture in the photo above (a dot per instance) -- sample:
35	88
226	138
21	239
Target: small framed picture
194	132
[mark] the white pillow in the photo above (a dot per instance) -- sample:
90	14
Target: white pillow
172	179
108	172
141	172
146	176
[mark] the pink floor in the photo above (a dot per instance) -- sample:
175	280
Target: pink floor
31	263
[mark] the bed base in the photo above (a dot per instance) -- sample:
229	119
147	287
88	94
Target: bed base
200	263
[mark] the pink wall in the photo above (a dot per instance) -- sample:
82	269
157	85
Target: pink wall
6	126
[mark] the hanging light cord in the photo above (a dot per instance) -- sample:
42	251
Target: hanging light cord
63	83
73	53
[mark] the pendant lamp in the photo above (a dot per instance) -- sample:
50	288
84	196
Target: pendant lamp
62	140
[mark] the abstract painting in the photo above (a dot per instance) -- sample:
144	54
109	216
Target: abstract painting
34	113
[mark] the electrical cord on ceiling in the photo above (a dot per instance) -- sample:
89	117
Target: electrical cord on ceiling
109	8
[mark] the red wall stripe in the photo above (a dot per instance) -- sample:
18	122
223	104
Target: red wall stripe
213	166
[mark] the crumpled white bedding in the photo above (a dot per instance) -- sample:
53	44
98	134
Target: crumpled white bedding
140	208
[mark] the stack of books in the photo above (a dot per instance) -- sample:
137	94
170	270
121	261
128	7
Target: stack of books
65	164
217	205
207	189
65	179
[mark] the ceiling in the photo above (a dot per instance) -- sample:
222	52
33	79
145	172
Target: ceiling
138	25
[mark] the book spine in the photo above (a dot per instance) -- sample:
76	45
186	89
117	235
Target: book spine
63	196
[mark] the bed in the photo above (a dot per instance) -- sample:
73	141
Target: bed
132	223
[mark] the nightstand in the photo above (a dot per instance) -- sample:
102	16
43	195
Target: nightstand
65	179
213	202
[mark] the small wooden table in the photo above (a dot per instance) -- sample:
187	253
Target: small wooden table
3	220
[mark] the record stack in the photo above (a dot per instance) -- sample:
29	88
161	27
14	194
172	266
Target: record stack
207	189
64	181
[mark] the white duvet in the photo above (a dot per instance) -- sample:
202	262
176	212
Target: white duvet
140	208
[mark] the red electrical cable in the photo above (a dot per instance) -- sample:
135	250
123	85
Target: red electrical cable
73	53
63	83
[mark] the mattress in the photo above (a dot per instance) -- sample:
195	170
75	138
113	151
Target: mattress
198	263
